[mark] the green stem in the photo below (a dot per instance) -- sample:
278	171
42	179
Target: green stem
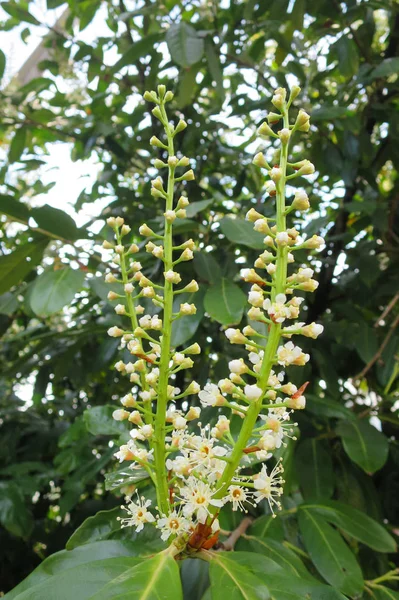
272	340
160	427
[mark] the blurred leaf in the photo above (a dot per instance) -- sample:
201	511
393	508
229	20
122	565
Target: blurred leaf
99	421
314	467
206	267
19	13
185	46
17	145
137	50
15	266
364	444
329	553
2	64
184	328
355	523
242	232
195	207
14	515
215	67
8	303
57	222
387	67
225	302
12	207
53	290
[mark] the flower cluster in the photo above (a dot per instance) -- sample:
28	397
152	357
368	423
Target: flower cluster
204	464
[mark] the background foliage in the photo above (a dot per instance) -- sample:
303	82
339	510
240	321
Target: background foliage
222	60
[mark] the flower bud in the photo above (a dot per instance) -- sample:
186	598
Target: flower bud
301	201
265	130
115	332
315	242
270	188
154	141
295	91
188	309
173	161
188	176
193	349
187	254
120	414
170	216
183	162
128	288
278	99
111	221
120	309
125	229
192	286
159	164
259	160
161	91
145	230
284	135
307	168
182	202
169	96
108	245
150	97
109	278
157	113
276	174
193	413
133	249
302	118
172	276
180	126
253	215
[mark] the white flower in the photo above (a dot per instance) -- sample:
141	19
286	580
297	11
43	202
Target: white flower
115	332
120	414
172	276
270	187
172	525
210	395
282	238
188	309
276	174
142	433
237	495
238	366
277	310
138	514
252	392
313	330
196	498
269	487
129	288
290	355
255	298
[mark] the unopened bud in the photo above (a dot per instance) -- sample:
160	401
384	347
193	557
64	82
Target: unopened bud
260	161
265	130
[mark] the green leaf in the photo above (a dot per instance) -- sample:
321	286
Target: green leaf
195	207
17	145
215	68
95	528
19	13
13	208
66	560
314	468
386	68
99	421
225	302
101	288
156	578
2	64
184	328
327	407
187	87
326	112
366	342
82	581
57	222
329	553
124	477
230	577
274	550
139	49
206	267
53	290
14	515
185	46
348	57
364	444
8	303
15	266
267	527
242	232
384	593
355	523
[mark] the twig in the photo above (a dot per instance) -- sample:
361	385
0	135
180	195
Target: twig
380	350
387	309
236	534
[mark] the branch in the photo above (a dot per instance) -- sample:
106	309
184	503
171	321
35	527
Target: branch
380	350
236	534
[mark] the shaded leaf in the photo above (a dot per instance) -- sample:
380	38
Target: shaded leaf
364	444
184	328
53	290
15	266
185	46
241	232
315	470
225	302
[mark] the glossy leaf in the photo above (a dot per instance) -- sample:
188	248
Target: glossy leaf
225	302
185	46
230	577
275	551
8	303
355	523
99	421
329	553
17	145
137	50
124	477
52	290
95	528
314	467
364	444
206	267
156	578
241	232
57	222
14	515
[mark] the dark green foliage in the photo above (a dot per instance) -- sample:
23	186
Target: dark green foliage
342	486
